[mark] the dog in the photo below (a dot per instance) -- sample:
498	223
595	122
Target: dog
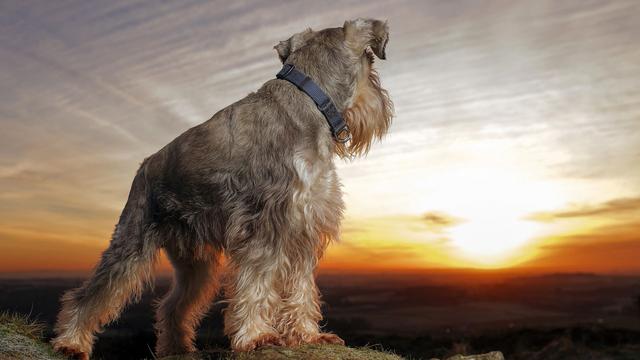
254	188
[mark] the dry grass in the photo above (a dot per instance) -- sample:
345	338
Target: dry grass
309	352
22	325
20	338
319	352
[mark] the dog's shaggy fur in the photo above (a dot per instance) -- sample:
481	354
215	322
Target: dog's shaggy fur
256	184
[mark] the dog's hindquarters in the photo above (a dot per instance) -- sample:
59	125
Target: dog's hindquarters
124	269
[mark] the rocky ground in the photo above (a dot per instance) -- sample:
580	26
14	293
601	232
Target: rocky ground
323	352
22	339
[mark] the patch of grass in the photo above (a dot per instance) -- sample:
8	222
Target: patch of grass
21	324
317	352
309	352
21	338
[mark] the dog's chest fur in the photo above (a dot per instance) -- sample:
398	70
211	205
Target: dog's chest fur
317	198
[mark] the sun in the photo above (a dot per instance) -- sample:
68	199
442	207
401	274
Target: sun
492	242
493	204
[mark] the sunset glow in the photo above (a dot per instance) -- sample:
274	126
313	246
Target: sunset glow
516	140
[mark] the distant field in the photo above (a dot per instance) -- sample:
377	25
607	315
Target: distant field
419	316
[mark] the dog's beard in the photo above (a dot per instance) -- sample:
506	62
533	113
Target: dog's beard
368	117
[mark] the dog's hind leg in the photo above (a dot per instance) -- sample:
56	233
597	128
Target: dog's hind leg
121	274
119	277
194	286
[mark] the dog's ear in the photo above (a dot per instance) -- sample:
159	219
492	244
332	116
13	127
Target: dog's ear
361	33
286	47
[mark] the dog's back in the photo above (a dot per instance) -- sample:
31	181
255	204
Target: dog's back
230	165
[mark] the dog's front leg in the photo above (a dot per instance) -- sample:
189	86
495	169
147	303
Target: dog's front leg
254	301
300	313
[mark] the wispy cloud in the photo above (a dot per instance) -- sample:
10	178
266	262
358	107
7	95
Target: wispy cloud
438	220
610	208
611	248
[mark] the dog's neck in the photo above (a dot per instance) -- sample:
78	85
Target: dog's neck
339	128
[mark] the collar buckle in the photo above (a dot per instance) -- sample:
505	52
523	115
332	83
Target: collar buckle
343	135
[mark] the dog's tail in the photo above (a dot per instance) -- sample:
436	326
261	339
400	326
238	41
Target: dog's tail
120	276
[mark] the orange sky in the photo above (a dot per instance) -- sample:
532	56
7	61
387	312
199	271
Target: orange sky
515	143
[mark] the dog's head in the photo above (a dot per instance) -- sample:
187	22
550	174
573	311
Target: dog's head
341	61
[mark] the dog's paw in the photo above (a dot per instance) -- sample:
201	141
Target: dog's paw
262	341
268	340
328	338
318	338
72	353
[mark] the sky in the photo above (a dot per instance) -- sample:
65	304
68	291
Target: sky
516	140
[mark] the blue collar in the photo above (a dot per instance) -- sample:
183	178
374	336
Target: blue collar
339	128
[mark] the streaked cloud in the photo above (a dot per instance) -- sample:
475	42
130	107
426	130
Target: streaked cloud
609	208
611	248
439	220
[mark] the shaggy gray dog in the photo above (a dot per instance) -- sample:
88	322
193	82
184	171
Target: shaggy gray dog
256	184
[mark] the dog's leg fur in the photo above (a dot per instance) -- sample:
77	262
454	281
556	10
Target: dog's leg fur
254	299
298	319
120	276
315	215
99	301
194	286
300	314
